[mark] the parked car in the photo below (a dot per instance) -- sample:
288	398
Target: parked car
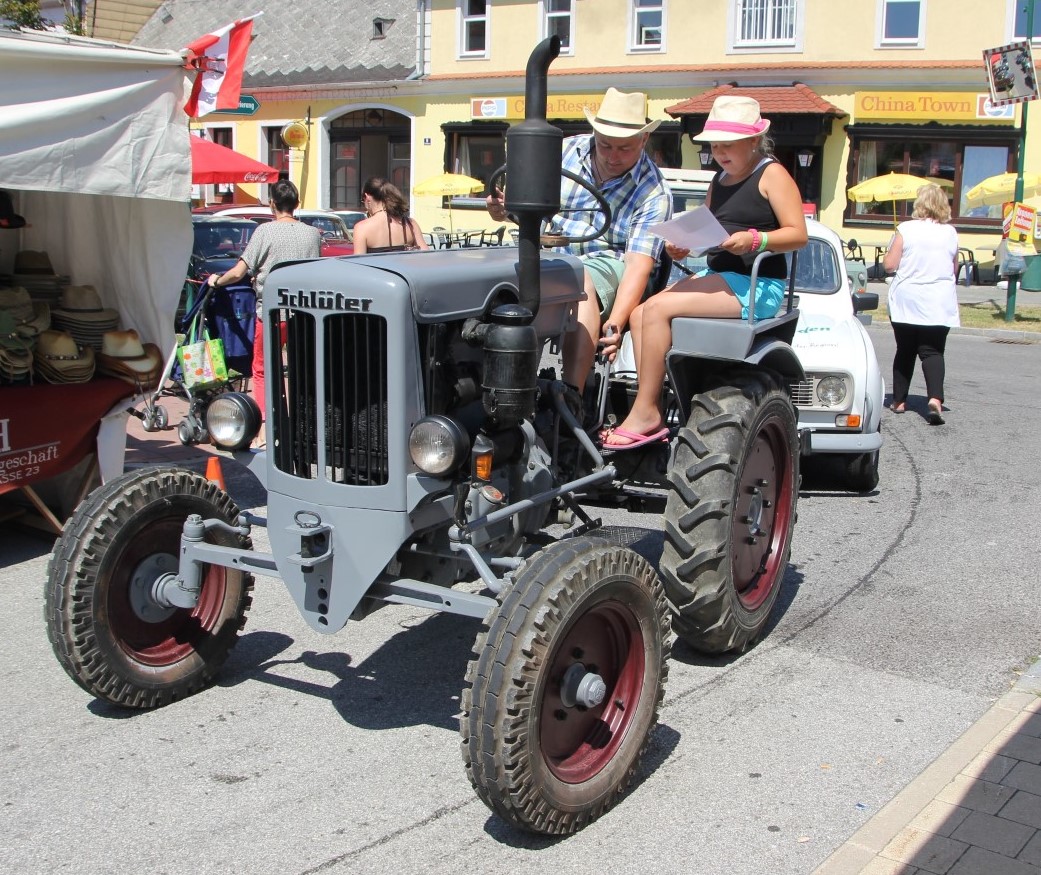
218	243
840	402
336	239
350	219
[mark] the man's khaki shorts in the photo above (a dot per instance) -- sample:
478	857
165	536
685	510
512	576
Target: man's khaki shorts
606	273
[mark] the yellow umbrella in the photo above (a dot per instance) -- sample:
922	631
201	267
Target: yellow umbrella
889	187
448	185
996	190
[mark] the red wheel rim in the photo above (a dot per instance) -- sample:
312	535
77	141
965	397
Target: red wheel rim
576	742
178	635
762	515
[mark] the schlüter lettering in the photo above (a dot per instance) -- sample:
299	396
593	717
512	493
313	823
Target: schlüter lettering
323	300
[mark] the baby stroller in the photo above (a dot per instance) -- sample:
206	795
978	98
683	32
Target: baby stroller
227	313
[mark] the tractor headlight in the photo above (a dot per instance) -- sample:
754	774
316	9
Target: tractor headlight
831	391
438	445
233	420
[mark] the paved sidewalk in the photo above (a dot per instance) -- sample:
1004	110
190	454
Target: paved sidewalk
975	811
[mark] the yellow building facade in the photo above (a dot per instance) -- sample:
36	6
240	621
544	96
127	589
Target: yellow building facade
854	88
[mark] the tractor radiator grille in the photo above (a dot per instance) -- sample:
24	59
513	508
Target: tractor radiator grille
353	379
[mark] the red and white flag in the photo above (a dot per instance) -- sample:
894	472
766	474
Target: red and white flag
220	58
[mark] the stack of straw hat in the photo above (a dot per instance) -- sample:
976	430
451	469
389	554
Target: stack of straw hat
30	316
124	356
33	272
59	359
82	316
16	351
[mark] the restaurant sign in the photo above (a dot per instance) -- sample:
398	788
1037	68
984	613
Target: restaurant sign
557	106
926	106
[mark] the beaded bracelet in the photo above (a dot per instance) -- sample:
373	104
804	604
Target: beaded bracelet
762	243
756	239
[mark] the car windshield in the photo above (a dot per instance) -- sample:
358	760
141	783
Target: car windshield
329	226
221	239
817	269
687	200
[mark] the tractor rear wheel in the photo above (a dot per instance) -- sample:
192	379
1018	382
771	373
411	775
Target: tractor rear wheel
565	687
734	477
106	628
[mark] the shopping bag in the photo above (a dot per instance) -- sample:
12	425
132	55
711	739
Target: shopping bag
202	364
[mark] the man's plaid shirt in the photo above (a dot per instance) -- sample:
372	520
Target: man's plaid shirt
638	199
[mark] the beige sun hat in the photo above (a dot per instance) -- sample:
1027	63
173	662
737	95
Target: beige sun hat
83	304
733	117
621	115
59	359
124	356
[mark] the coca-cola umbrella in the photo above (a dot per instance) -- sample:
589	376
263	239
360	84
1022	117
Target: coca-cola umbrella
213	164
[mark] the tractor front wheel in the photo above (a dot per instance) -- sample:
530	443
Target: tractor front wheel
107	629
565	687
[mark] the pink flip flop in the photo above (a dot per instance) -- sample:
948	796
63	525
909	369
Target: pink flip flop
638	440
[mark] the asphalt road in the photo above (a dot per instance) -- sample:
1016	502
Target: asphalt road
904	615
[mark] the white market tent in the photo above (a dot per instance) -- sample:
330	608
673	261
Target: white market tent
94	148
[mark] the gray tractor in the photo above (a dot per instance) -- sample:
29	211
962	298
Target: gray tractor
418	456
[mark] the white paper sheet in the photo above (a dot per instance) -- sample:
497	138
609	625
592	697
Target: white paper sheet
696	230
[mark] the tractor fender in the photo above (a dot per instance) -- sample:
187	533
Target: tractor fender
691	373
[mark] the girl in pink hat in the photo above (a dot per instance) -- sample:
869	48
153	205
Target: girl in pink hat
758	203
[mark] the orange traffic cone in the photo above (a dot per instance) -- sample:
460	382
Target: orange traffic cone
214	472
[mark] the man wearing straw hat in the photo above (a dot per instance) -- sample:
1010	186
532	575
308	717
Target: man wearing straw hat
618	264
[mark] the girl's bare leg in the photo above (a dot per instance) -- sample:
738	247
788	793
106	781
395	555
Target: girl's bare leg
707	296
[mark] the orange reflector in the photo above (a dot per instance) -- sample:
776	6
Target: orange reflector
847	421
483	466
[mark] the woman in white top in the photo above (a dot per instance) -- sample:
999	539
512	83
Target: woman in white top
923	299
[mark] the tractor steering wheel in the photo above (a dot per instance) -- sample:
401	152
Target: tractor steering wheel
602	210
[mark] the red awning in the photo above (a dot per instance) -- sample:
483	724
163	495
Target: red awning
212	164
773	100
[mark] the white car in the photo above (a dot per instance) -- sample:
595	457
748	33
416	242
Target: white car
840	401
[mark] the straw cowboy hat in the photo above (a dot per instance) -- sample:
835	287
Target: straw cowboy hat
621	115
731	118
59	359
31	316
124	356
82	316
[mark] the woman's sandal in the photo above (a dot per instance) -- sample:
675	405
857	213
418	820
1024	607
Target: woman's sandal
935	416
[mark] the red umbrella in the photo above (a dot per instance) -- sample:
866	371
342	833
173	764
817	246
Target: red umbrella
213	164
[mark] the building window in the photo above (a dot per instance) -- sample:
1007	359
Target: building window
766	24
473	28
275	154
1018	14
901	24
380	26
648	26
558	19
477	149
955	161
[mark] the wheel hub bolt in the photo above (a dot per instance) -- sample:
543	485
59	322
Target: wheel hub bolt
582	688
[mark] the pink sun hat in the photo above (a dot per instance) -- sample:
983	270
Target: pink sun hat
731	118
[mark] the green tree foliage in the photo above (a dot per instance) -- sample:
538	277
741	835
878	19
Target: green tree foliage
26	14
22	13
